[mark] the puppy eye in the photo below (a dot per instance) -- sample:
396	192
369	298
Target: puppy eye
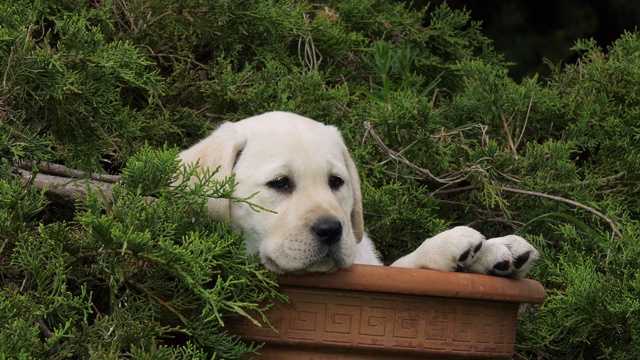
280	184
335	182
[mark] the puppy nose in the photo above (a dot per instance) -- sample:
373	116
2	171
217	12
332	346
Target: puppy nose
328	231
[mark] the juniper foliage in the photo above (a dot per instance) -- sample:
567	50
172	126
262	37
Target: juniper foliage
115	86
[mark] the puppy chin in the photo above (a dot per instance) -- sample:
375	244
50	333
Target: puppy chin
327	264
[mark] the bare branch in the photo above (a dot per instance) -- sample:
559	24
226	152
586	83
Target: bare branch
454	190
159	301
61	170
46	333
443	134
526	119
598	182
64	189
452	178
508	132
4	243
566	201
402	159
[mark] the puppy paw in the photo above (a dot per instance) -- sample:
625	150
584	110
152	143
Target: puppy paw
451	250
510	256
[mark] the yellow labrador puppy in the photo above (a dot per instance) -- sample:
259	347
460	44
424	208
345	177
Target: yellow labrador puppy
302	170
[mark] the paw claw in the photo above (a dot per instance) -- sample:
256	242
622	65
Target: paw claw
460	268
478	247
464	255
521	260
502	265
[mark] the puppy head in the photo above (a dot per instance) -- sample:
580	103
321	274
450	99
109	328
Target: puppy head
298	168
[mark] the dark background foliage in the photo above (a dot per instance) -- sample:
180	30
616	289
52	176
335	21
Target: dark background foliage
532	33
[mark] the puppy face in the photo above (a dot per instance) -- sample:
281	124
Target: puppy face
300	169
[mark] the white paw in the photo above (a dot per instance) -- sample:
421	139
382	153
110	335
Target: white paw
451	250
509	256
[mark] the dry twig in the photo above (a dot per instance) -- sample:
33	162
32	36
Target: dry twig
4	243
64	189
46	333
526	119
312	56
61	170
442	135
448	181
566	201
508	131
159	301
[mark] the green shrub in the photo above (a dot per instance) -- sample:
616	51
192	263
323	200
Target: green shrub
441	134
128	276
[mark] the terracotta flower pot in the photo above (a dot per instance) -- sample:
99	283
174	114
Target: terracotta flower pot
373	312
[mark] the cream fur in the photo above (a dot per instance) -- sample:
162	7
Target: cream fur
277	144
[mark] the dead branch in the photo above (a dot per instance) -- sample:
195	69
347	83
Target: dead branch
403	160
64	189
46	333
454	190
4	243
566	201
159	301
507	131
61	170
450	179
597	182
442	135
526	119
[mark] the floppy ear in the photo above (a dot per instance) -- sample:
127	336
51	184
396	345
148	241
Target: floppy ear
220	151
357	221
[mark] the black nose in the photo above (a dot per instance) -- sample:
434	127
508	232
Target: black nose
328	231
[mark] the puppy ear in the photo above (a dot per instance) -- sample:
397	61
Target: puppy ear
357	221
219	150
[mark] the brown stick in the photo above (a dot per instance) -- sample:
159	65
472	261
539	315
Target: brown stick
403	160
566	201
64	189
454	178
4	243
46	333
159	301
508	131
526	119
61	170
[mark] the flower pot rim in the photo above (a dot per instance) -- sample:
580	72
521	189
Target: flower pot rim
422	282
